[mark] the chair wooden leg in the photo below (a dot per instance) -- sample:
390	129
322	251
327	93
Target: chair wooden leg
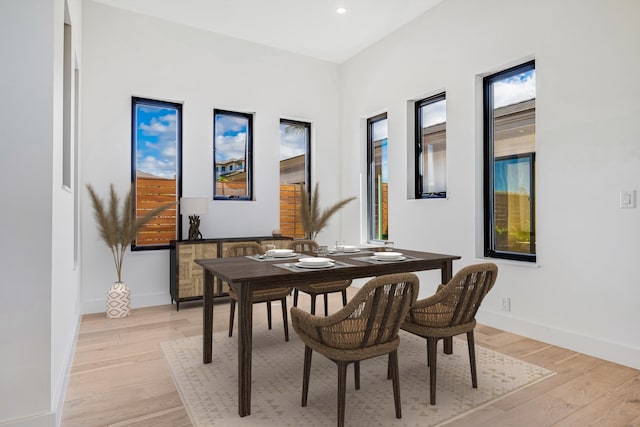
428	359
356	374
326	305
432	355
232	313
269	314
472	358
295	297
448	345
393	363
308	352
342	391
285	318
313	304
389	367
344	297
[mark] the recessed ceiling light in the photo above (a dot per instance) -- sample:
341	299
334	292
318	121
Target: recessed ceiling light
341	10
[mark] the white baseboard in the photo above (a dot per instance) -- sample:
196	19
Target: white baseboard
61	393
593	346
42	420
137	301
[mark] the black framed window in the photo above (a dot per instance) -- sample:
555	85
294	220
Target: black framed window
509	163
232	155
431	147
156	168
377	178
295	173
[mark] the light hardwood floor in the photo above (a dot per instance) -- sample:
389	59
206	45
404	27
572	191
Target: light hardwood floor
119	376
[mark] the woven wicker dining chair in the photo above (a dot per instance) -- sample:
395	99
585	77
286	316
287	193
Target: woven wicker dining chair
449	312
259	295
315	289
366	327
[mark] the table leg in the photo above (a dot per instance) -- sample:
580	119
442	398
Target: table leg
447	273
207	318
245	327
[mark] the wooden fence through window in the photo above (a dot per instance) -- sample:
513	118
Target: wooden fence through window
150	194
290	196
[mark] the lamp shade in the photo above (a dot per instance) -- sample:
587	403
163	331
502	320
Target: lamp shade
194	205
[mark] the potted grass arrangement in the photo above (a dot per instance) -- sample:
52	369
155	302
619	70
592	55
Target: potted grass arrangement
118	227
312	218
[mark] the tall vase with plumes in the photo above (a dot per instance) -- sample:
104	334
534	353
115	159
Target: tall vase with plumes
118	301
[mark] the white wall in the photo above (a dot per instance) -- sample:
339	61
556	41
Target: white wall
39	319
66	290
127	54
583	293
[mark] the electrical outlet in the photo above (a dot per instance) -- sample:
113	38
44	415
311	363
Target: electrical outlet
506	304
627	199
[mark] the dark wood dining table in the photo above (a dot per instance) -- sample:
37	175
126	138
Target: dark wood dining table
245	274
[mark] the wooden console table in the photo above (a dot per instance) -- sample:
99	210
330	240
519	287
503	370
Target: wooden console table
187	279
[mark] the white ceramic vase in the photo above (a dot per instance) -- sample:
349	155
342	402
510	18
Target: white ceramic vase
118	301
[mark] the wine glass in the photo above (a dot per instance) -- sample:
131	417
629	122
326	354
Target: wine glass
270	250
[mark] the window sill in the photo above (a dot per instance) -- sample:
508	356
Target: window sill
502	261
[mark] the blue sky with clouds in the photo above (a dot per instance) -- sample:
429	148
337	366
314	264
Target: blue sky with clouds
293	140
518	88
230	137
156	140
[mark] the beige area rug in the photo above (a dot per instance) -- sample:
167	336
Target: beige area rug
209	392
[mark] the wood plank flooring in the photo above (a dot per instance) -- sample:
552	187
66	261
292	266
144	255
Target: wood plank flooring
119	376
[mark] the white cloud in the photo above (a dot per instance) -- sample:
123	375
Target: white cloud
170	151
231	147
292	143
514	89
435	113
380	130
230	124
165	168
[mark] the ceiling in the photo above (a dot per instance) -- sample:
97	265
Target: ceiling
307	27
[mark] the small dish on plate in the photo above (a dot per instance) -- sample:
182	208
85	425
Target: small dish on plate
388	256
348	248
315	261
283	253
326	265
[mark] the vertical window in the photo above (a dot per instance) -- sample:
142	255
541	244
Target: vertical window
509	154
232	145
156	156
431	147
295	172
67	113
378	178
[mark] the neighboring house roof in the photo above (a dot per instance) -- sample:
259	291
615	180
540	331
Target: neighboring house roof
146	175
228	161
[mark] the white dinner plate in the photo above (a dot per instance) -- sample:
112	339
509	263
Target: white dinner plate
283	253
351	249
311	261
325	265
399	258
387	255
291	255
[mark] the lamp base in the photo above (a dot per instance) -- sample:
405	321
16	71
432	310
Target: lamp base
194	228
